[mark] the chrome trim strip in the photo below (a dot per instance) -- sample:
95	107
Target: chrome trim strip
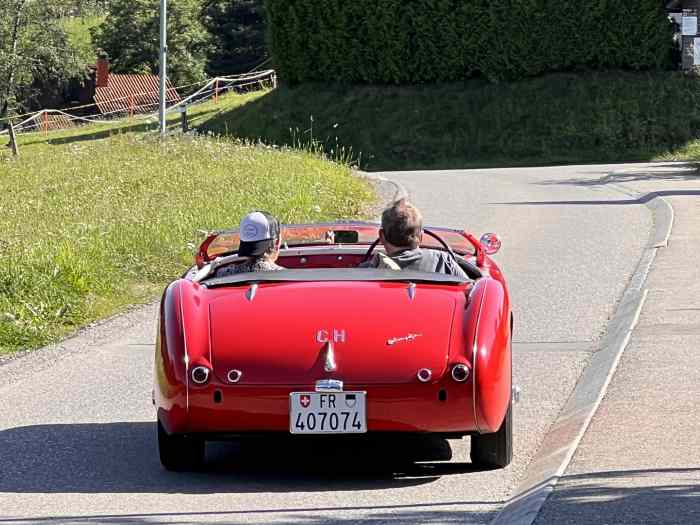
329	385
475	353
330	364
411	291
250	294
184	347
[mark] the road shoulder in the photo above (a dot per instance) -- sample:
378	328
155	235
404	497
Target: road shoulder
639	462
565	435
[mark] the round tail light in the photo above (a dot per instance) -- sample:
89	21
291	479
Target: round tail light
200	374
424	375
234	376
460	373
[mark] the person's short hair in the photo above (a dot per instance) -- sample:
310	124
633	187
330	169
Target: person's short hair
402	224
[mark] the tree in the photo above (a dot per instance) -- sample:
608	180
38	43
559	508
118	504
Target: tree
34	52
237	29
130	36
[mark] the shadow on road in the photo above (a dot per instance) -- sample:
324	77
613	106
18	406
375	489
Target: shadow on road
659	496
613	202
123	457
418	514
685	171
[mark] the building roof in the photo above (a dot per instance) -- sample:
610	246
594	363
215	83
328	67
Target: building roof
132	93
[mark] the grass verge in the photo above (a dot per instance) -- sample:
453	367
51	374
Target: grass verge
562	118
90	226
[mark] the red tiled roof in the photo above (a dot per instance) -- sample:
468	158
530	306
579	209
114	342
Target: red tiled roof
137	93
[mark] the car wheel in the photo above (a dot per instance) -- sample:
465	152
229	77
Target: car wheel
495	450
180	453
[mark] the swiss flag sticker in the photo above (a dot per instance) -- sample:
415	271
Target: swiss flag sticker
305	401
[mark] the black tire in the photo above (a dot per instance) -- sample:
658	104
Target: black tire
495	450
180	453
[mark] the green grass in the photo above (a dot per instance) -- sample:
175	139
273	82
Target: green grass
562	118
99	218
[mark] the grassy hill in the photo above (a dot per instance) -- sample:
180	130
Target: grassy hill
101	217
563	118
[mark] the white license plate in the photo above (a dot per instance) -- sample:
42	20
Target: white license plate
327	412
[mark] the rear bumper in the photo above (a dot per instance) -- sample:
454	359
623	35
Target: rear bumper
390	408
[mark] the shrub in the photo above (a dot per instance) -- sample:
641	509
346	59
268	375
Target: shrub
416	41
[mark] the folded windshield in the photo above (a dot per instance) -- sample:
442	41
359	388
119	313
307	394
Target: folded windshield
354	233
334	274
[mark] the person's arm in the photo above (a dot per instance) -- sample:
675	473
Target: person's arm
450	266
372	262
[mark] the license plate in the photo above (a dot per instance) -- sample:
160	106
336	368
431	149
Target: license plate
327	412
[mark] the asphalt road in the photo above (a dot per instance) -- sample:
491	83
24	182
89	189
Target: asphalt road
639	462
77	440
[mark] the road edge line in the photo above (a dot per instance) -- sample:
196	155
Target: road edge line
567	431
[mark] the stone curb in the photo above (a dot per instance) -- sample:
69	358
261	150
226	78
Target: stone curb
563	437
399	191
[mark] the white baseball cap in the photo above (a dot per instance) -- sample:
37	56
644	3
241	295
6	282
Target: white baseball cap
258	232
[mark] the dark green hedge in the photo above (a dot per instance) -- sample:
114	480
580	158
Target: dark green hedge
415	41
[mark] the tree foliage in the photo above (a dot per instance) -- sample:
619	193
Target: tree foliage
415	41
34	52
131	37
237	30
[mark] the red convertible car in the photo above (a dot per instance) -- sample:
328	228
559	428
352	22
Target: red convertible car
327	347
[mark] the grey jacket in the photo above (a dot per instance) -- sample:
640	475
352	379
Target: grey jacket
423	260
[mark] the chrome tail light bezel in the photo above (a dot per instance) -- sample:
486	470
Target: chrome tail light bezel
460	373
424	375
198	380
234	376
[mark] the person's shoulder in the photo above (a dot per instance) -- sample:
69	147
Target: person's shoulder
263	265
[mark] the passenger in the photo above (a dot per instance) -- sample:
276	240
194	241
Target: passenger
401	234
260	243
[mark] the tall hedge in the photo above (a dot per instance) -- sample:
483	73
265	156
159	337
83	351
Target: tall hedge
416	41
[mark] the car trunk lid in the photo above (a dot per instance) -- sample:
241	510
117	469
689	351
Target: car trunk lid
377	332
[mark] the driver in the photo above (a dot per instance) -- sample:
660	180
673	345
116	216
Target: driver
401	234
260	243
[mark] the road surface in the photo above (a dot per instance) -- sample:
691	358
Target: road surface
77	439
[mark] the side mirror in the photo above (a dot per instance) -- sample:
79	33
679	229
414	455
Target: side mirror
491	243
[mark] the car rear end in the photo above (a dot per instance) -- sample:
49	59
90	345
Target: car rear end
393	345
310	357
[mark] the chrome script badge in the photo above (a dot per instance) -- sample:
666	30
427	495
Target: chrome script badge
405	339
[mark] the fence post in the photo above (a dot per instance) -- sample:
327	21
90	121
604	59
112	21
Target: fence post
45	122
13	139
216	91
274	80
183	118
131	105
